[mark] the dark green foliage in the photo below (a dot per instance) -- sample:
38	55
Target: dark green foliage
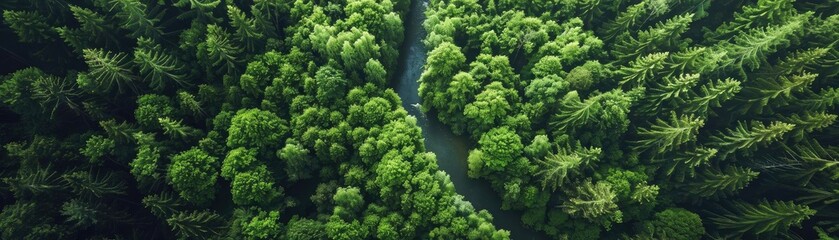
687	102
648	119
762	218
197	225
674	223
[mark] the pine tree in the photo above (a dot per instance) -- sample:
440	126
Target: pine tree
642	69
667	95
107	70
157	67
246	30
662	37
593	202
86	184
187	101
556	168
825	99
634	16
808	122
37	182
698	60
218	51
30	27
746	137
753	47
758	95
665	136
715	183
762	218
712	94
685	163
53	93
764	13
176	128
196	225
133	17
81	213
162	205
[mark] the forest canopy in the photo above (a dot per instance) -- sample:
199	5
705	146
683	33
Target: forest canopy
646	119
236	119
273	119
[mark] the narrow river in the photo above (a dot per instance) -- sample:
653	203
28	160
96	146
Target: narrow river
451	150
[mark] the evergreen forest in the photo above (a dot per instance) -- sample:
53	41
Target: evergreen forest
284	119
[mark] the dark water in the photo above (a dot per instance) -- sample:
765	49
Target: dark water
451	150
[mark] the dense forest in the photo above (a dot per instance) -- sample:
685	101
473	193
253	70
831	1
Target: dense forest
275	119
651	119
210	119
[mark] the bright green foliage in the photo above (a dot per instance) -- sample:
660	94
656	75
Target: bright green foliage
218	50
632	17
808	122
151	108
761	14
752	47
746	137
193	174
176	129
668	94
674	223
715	182
263	226
253	187
765	217
499	147
663	37
712	94
98	147
642	69
305	229
598	118
664	136
556	168
595	202
685	163
490	108
757	96
238	160
254	128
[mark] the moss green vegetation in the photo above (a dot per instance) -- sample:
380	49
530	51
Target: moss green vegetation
272	119
645	119
238	119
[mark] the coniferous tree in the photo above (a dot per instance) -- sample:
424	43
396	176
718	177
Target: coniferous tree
765	217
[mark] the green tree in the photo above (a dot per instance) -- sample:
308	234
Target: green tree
674	223
193	174
499	147
714	182
254	128
765	217
746	137
255	187
664	136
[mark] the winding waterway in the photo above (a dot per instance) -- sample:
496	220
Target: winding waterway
451	149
